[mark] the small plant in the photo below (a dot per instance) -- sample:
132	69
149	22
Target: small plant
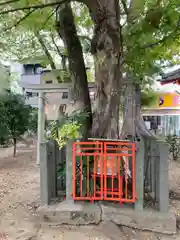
174	146
67	128
70	127
68	131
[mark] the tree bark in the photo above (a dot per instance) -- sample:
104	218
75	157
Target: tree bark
133	124
106	47
67	30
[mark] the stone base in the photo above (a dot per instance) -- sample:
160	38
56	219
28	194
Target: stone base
87	213
69	213
144	220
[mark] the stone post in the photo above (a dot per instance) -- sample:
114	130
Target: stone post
60	160
69	182
41	125
140	176
147	162
153	166
48	173
51	168
44	188
162	184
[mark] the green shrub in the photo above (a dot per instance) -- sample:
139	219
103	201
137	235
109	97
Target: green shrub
67	128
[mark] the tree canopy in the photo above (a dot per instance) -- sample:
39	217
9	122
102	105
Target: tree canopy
133	37
150	31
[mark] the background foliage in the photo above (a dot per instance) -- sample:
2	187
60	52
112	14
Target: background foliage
14	117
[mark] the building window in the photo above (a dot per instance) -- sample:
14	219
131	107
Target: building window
38	70
28	95
159	120
28	70
34	94
49	82
65	95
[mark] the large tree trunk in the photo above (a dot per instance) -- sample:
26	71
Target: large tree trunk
106	47
67	30
133	124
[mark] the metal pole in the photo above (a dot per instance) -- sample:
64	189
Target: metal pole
41	125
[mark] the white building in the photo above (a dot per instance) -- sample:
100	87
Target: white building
35	79
30	75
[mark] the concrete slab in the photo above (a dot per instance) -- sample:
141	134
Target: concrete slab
70	213
112	231
86	213
144	220
69	233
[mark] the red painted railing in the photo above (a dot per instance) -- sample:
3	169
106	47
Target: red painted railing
104	171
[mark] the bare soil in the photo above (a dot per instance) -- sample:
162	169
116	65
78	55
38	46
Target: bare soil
19	199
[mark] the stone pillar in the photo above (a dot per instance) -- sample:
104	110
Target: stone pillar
162	184
41	125
147	168
51	168
48	173
69	182
44	188
140	176
61	160
153	166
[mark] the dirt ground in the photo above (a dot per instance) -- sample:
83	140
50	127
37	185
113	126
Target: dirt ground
19	199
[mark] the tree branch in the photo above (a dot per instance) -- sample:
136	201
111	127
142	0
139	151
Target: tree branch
57	48
19	21
26	16
8	2
150	45
48	18
46	51
125	7
63	57
40	6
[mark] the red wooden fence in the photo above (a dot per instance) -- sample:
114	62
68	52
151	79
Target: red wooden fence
104	171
